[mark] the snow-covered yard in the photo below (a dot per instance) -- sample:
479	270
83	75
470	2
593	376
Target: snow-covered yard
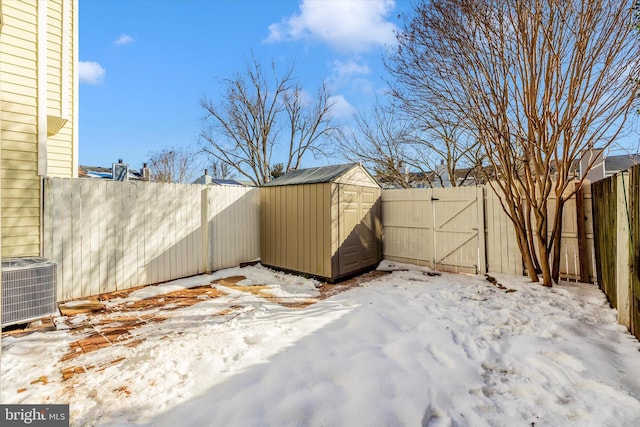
405	349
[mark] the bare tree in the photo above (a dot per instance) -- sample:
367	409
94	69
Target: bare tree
172	164
536	83
257	115
446	147
406	152
410	147
221	170
380	142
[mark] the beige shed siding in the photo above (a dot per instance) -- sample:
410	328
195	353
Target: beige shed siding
327	229
291	217
18	83
357	176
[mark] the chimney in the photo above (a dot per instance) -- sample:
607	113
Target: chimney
120	171
206	172
145	172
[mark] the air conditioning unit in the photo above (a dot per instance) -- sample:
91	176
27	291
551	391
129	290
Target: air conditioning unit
28	289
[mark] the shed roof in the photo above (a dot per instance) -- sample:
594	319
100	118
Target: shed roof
312	175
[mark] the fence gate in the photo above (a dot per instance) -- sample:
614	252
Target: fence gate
458	226
441	228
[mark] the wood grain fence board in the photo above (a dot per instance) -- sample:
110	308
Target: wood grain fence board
153	236
634	249
64	225
605	224
85	240
103	233
93	217
76	256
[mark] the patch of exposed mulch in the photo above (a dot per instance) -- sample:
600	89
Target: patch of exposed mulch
103	329
262	292
328	290
109	323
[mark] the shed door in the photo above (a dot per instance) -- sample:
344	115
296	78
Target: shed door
359	222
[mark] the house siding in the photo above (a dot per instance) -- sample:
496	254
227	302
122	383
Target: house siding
60	61
21	82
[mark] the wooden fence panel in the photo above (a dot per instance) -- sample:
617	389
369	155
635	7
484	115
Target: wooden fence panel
442	228
459	230
234	225
465	229
572	256
107	236
605	223
407	224
503	254
634	232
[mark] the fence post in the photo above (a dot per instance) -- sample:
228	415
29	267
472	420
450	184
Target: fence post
482	229
204	221
582	235
622	251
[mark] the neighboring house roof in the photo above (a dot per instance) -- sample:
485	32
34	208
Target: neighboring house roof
207	179
99	172
226	182
312	175
614	164
464	177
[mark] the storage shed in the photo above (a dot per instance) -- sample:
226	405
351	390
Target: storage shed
322	221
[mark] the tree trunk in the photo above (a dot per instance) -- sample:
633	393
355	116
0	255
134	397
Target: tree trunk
557	241
547	280
531	238
542	243
523	245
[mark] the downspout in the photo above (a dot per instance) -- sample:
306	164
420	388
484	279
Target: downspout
42	107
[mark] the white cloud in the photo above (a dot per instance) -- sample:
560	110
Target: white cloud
91	72
351	25
348	69
123	39
341	107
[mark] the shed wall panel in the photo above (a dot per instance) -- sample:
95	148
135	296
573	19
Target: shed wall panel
357	176
295	229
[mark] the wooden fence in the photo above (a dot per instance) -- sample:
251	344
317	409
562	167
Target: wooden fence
616	216
436	227
107	235
634	246
465	229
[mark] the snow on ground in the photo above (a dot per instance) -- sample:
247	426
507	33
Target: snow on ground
405	349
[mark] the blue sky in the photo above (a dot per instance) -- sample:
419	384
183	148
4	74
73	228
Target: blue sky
145	64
